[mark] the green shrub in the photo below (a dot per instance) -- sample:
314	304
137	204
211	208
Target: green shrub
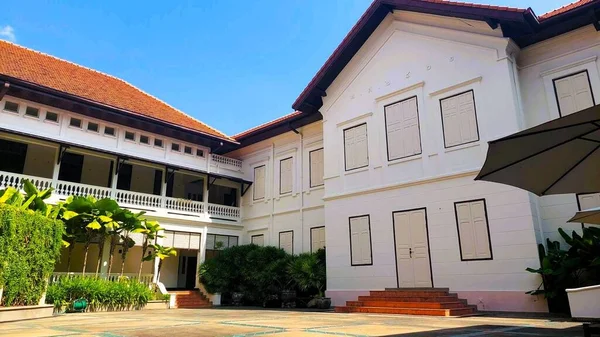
308	272
30	245
100	294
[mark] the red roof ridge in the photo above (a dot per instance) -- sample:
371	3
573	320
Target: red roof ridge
120	80
267	124
564	8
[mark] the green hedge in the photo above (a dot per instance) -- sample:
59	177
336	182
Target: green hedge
100	294
29	248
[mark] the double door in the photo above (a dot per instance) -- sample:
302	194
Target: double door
413	265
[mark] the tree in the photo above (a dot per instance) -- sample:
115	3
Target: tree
150	231
162	253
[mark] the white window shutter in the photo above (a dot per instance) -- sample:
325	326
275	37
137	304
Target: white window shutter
573	93
459	119
259	183
587	201
316	167
286	242
349	148
181	240
258	240
360	241
317	238
402	128
473	230
285	175
356	147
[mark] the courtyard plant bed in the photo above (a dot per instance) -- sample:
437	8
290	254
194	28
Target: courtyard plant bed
265	276
100	294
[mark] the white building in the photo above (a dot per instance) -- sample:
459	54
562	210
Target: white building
376	164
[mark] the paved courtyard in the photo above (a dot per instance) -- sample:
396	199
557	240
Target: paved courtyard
252	322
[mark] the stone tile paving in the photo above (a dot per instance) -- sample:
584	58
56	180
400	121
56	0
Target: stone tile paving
258	322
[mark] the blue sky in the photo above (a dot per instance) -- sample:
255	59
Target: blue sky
231	64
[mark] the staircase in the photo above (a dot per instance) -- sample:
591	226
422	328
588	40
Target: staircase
410	301
190	299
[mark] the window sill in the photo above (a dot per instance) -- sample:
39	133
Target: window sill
463	146
10	112
315	188
32	117
362	169
405	159
51	122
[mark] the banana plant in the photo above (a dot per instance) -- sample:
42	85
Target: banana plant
150	230
162	253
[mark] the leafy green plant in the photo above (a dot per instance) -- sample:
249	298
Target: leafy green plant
150	230
100	294
308	272
30	245
160	252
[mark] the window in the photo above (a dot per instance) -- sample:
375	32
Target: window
130	135
51	116
459	119
473	230
144	139
258	240
573	93
220	242
75	122
286	241
158	142
199	153
259	183
316	172
109	131
32	112
187	150
402	129
11	106
285	175
317	238
93	127
360	241
175	147
587	201
356	153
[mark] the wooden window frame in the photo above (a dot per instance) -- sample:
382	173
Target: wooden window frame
370	239
265	183
344	145
573	74
290	231
487	223
472	91
310	166
387	145
292	177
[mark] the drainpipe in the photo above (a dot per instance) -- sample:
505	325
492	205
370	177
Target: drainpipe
272	194
302	189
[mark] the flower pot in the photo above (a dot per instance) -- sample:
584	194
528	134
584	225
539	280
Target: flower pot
288	298
324	303
584	302
272	301
236	298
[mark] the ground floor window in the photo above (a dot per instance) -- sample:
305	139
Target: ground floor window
215	243
473	230
361	253
258	240
317	238
286	241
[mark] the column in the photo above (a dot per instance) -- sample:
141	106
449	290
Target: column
201	253
205	198
105	258
163	189
56	169
115	179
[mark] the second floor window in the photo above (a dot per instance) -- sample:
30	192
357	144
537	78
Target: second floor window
573	93
285	175
402	129
459	119
316	167
356	151
259	183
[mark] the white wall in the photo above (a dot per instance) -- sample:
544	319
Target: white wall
538	66
299	210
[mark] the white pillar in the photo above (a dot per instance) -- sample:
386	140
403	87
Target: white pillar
163	188
201	254
56	169
205	199
115	179
105	258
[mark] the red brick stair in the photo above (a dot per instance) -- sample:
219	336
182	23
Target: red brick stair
410	301
190	299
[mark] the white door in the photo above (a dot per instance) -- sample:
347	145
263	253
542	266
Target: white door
412	249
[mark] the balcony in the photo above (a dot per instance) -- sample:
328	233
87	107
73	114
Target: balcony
140	186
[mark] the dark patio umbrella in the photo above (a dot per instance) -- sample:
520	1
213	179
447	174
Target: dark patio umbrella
559	156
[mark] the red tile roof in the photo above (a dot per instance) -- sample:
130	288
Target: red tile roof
565	9
51	72
267	125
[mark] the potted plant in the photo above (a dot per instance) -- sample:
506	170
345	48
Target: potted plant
308	272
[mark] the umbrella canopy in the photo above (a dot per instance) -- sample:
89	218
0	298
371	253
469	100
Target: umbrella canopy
559	156
590	216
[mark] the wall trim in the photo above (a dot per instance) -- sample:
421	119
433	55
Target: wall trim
460	174
455	86
400	91
355	119
586	60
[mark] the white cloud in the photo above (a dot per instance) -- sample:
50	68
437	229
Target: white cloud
8	33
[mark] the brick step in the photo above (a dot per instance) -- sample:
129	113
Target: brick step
417	305
408	311
191	301
408	293
419	289
194	306
449	298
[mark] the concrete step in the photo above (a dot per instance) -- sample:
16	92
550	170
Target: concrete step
407	311
417	305
408	293
418	289
449	298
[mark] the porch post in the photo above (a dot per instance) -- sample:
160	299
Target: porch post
201	252
205	199
115	179
163	189
56	169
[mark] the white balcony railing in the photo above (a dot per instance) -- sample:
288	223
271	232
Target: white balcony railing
222	211
184	205
155	203
65	188
138	199
58	276
235	164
